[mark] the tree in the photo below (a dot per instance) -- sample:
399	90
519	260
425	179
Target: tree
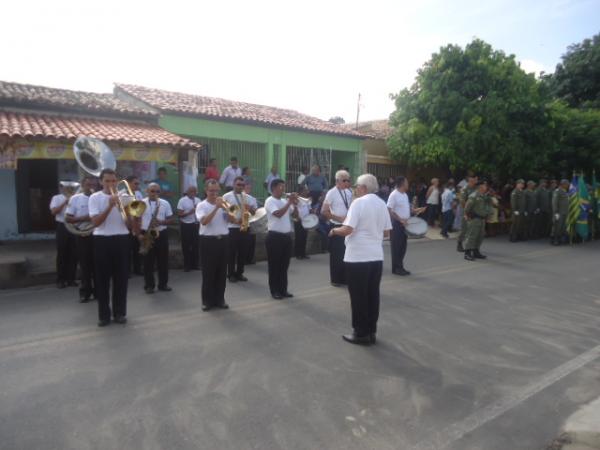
473	109
577	78
337	120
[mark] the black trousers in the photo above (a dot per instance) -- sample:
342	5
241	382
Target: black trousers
136	258
111	263
157	257
238	251
337	270
189	246
66	254
363	285
398	241
279	252
300	235
213	252
85	255
251	248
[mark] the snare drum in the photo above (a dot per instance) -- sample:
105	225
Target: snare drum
258	222
416	227
310	222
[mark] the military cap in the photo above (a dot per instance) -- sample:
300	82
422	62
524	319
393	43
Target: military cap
530	182
565	181
520	180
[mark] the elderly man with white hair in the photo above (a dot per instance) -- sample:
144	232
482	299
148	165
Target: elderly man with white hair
335	208
364	228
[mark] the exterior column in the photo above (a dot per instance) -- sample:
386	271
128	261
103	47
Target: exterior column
282	161
269	157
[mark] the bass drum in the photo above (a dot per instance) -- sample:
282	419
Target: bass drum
416	228
258	222
310	222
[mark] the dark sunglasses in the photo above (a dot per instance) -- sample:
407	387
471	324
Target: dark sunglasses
155	192
345	181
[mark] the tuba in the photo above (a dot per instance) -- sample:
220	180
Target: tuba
81	228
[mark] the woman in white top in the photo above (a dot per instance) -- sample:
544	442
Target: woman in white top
214	237
433	201
365	226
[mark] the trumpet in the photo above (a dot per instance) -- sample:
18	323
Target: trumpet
230	209
296	199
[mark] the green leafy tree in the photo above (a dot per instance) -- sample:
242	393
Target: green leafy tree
577	78
473	108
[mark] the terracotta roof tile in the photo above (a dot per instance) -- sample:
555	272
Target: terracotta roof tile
211	107
26	95
25	125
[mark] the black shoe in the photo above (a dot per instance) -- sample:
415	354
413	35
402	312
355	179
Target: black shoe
120	319
206	308
61	285
223	306
277	296
401	272
187	270
459	247
84	299
241	278
165	288
287	295
197	268
469	255
103	323
445	235
232	279
358	340
478	255
337	284
149	290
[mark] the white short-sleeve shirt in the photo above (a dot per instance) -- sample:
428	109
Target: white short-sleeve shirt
398	202
56	201
78	205
281	224
114	224
186	204
218	226
339	201
303	210
236	199
369	218
164	211
229	175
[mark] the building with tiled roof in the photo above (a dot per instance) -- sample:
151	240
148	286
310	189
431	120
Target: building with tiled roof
260	136
38	126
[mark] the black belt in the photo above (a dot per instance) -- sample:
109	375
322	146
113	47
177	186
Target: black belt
279	232
218	236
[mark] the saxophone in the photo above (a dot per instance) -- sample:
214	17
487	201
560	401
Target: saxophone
245	216
152	233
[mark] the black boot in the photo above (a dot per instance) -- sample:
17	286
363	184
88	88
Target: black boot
478	255
459	247
469	255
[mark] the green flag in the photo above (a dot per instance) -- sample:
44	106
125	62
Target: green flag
582	226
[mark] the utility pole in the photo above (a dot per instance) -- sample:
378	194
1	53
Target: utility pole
357	110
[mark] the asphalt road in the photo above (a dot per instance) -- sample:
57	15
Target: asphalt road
488	355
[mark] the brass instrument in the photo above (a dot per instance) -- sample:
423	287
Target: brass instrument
230	209
80	228
152	233
245	215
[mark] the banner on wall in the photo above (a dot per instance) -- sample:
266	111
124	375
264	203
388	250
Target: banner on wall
51	150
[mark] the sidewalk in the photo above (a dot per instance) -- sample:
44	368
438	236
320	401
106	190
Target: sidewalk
582	430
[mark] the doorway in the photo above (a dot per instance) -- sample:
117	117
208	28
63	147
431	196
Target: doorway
36	183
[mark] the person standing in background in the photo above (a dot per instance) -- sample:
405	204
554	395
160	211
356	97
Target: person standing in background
433	201
301	178
273	175
247	176
316	183
230	173
166	190
211	172
447	213
66	259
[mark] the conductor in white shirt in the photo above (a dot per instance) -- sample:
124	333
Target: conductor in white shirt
158	215
186	210
364	228
214	239
230	173
66	256
279	240
335	208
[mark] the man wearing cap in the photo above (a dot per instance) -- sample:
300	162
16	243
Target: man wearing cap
517	206
532	209
560	210
477	209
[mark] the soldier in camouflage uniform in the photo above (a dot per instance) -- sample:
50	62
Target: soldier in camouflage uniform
517	206
463	197
532	209
544	218
477	210
560	211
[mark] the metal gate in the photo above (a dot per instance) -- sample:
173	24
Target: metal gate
298	158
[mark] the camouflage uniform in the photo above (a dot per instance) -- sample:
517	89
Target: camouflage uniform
544	218
477	210
464	196
560	211
531	212
517	206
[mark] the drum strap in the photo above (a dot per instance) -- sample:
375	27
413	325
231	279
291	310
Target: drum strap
344	198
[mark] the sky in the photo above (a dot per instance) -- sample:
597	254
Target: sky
311	56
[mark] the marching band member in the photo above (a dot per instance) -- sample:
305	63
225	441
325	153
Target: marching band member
238	239
335	207
253	203
66	260
364	228
77	212
214	237
300	232
279	241
111	250
400	210
157	216
186	210
136	258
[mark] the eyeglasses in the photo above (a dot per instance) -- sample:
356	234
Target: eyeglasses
240	185
345	181
154	192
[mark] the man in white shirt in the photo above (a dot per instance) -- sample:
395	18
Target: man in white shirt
78	213
273	175
214	237
364	228
66	259
230	173
301	178
186	210
157	216
238	239
300	233
111	250
335	207
136	258
279	240
400	211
